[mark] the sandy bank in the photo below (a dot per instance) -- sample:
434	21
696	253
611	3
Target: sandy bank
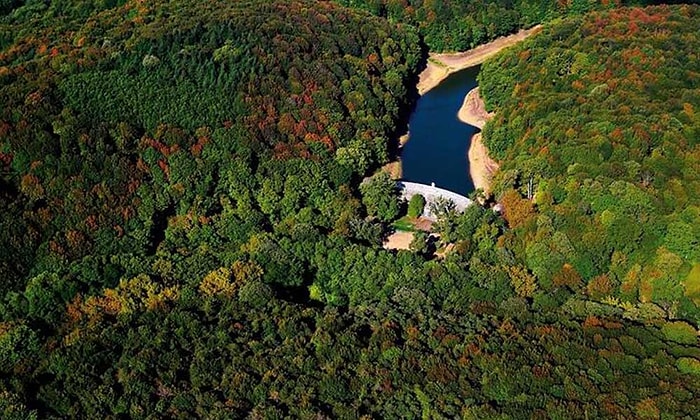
481	166
439	67
442	65
473	110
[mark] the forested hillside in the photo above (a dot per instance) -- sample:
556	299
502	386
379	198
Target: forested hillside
598	119
460	25
185	234
147	113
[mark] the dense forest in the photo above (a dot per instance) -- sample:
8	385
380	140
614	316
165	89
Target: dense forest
186	231
459	25
597	119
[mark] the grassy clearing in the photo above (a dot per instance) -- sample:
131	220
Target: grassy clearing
404	224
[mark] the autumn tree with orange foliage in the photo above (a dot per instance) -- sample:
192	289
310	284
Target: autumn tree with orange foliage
517	210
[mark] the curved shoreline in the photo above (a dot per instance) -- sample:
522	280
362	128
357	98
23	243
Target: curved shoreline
481	166
441	66
473	110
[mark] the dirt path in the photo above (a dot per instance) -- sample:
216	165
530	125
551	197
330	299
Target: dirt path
442	65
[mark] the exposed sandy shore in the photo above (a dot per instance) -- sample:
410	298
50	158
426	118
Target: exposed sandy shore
473	110
439	67
442	65
481	166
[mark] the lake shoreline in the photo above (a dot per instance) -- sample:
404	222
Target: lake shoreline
441	66
473	110
481	166
438	69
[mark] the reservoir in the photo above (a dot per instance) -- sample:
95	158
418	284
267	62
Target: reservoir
437	148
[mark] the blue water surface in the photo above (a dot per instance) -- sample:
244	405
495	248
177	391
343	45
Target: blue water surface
437	148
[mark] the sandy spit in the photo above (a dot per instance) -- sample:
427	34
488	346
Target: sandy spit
473	110
442	65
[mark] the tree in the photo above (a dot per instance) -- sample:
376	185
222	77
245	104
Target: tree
663	277
18	345
443	209
419	243
380	197
46	294
524	283
680	332
682	240
689	365
416	205
568	276
255	293
13	408
516	210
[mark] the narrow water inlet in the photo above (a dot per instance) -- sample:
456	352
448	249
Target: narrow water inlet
437	148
